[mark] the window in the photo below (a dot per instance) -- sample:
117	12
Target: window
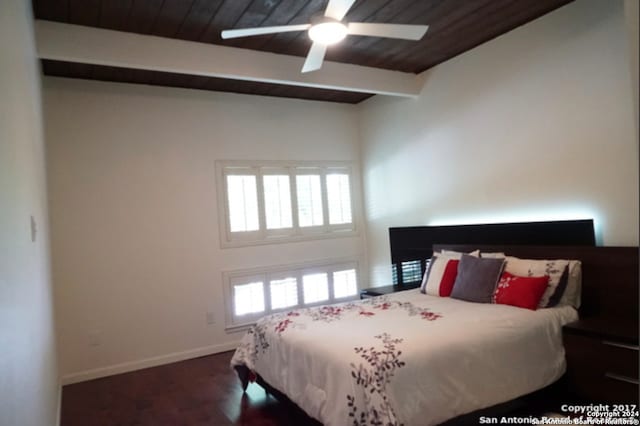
248	298
316	288
339	198
243	203
394	274
344	283
262	203
411	271
254	293
277	201
284	293
309	200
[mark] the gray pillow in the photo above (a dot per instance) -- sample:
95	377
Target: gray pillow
477	279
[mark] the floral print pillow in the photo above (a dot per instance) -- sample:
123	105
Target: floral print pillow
556	270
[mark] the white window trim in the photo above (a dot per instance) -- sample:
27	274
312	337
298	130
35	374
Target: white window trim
264	236
265	274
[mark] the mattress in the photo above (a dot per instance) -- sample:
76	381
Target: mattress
405	358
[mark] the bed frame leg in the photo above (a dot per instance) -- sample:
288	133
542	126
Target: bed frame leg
243	375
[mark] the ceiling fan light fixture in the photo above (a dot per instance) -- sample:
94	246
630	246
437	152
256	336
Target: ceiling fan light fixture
328	28
328	33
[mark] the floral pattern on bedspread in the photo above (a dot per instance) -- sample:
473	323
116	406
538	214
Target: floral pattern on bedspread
373	377
369	404
256	342
397	359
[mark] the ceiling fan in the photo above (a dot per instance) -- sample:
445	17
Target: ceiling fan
330	29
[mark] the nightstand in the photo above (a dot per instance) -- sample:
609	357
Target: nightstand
602	360
379	291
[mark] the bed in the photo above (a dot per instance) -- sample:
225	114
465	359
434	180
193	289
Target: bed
406	358
413	359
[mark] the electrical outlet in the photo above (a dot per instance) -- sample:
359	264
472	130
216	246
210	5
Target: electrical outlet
211	317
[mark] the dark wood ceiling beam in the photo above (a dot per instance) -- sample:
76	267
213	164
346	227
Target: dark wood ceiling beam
455	27
80	70
76	43
125	75
325	95
237	86
142	17
103	73
55	68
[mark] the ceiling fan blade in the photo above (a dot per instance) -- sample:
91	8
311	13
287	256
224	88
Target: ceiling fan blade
407	32
315	57
244	32
336	9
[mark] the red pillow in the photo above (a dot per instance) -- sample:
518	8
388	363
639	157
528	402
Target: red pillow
441	276
524	292
449	278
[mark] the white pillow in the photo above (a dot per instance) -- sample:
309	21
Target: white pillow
458	254
497	255
573	293
432	280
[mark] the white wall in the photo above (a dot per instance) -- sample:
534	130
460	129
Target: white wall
631	11
537	124
135	240
28	376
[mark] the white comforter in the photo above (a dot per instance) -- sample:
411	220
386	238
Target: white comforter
406	358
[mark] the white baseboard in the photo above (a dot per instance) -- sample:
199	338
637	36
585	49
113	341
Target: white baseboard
146	363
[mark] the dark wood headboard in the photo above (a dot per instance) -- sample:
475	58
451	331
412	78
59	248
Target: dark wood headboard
412	246
609	274
416	242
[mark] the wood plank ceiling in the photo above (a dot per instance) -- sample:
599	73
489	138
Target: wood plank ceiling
455	26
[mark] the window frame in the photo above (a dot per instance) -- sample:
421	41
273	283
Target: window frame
263	235
235	323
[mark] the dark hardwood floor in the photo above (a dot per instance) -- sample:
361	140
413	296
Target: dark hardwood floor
206	391
196	392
